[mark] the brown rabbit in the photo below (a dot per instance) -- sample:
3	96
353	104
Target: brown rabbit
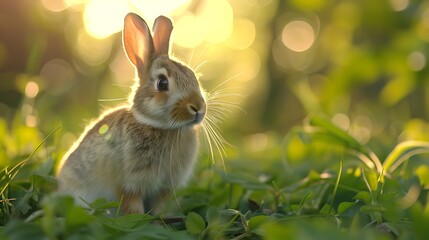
149	146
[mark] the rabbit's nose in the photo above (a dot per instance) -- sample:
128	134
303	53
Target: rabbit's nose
192	108
197	110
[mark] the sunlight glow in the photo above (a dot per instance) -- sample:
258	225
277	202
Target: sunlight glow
213	23
74	3
243	35
188	31
212	20
298	36
102	18
216	17
151	9
247	64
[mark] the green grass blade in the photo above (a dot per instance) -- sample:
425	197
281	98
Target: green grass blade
337	183
15	170
402	152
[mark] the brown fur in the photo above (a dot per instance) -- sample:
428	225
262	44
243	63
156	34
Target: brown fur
146	148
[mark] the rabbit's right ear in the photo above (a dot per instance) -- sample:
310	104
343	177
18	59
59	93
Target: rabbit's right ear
138	42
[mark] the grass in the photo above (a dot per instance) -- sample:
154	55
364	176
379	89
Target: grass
316	183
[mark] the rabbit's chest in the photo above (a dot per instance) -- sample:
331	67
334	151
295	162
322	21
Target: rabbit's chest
162	162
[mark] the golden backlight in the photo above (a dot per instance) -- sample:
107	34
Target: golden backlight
211	21
102	18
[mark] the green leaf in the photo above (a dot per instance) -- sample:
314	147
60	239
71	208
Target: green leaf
420	217
326	210
371	178
246	180
195	223
422	173
364	196
256	222
212	215
150	231
131	221
370	209
21	230
46	167
102	204
23	204
402	152
229	212
344	206
331	130
76	217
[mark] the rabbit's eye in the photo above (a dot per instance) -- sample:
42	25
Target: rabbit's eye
162	84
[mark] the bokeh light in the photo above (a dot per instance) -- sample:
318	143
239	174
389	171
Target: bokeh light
416	61
341	120
399	5
362	64
298	35
302	56
94	52
257	142
57	76
243	34
30	121
31	89
54	5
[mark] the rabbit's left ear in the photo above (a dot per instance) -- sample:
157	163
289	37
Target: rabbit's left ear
138	42
161	35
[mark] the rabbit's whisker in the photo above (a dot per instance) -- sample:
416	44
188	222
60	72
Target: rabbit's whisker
201	65
191	56
111	99
174	146
225	82
202	54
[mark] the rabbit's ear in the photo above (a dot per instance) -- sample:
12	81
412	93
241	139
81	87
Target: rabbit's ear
161	35
138	42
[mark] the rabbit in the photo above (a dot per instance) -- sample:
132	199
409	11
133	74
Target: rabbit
148	147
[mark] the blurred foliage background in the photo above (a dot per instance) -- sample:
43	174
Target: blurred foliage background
363	63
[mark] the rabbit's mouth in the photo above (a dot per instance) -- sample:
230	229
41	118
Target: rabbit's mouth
198	118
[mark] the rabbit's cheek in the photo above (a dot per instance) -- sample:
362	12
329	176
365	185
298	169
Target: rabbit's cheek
160	97
180	113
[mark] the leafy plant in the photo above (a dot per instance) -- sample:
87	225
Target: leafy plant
355	196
